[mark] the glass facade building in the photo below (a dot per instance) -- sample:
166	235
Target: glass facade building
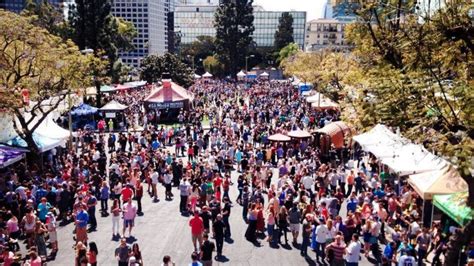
191	21
18	5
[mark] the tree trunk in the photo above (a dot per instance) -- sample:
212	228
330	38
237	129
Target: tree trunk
456	242
34	156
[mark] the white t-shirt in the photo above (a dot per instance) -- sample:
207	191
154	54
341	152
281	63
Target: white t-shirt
406	260
154	178
307	182
322	233
353	252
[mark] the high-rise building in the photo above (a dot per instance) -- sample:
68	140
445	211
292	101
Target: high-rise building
327	12
343	10
150	18
191	21
326	34
18	5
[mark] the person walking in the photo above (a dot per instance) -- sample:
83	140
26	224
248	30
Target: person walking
353	251
197	229
225	217
139	196
306	234
282	223
122	253
115	210
206	251
335	251
104	198
82	218
218	228
250	233
294	217
184	191
129	214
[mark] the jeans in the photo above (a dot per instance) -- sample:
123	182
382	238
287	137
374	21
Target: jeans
92	219
349	190
139	203
352	263
183	203
304	246
103	205
320	250
219	244
245	211
225	219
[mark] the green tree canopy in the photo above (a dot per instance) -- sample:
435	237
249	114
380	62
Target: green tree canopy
43	65
153	66
287	51
47	16
213	66
234	27
284	34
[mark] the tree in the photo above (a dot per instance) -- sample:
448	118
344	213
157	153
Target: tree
95	28
49	17
419	78
287	51
212	65
153	66
234	27
37	65
284	34
201	48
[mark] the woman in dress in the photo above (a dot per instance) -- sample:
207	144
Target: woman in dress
40	231
250	234
260	218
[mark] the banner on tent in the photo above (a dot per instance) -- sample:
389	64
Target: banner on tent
166	105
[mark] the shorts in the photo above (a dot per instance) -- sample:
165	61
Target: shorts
127	223
168	187
53	236
295	227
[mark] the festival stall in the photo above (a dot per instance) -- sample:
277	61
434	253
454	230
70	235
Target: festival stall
438	182
264	76
135	84
207	75
455	206
279	138
335	133
44	143
196	76
168	100
299	134
107	89
241	75
304	86
10	155
113	110
83	116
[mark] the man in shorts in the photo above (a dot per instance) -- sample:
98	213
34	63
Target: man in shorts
129	214
294	216
197	229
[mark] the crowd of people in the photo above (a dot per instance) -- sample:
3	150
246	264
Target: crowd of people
324	201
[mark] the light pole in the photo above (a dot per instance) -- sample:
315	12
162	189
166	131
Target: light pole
193	59
246	61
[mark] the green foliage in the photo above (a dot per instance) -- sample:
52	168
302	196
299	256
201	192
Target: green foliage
213	66
234	27
153	66
284	34
287	51
31	58
47	16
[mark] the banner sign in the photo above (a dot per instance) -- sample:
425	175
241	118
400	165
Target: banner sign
166	105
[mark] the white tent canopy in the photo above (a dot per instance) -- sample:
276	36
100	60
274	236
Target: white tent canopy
315	97
443	181
264	74
398	153
196	76
241	74
113	106
207	75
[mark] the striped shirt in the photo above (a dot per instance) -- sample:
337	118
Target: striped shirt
338	250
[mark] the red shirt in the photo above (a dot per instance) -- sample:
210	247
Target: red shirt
197	226
127	194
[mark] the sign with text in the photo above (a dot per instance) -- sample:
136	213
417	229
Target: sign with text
166	105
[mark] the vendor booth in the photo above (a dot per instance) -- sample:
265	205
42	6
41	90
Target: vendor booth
168	100
455	206
299	134
83	116
10	155
207	75
304	86
264	76
279	138
335	133
241	75
114	110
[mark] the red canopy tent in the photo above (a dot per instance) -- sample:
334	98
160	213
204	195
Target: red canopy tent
169	96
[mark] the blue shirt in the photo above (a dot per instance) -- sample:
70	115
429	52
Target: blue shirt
388	252
82	219
104	193
351	205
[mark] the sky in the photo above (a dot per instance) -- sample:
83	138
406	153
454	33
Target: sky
314	8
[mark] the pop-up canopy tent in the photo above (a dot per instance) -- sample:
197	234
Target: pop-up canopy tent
113	106
169	96
337	131
207	75
299	134
264	75
325	104
377	139
241	75
10	155
196	76
107	88
455	206
44	143
279	138
304	86
84	109
135	84
444	181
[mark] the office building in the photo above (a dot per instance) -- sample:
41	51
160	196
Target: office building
18	5
191	21
326	34
343	10
150	18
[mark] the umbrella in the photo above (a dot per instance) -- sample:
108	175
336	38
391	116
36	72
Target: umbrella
279	137
299	134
